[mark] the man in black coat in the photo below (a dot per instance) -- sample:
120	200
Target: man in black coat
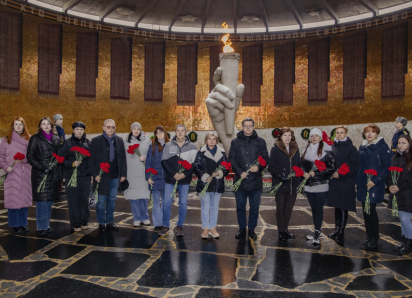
107	148
244	151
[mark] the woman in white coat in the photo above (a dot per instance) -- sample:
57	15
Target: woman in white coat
138	192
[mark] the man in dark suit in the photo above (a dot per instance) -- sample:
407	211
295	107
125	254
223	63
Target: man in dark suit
107	148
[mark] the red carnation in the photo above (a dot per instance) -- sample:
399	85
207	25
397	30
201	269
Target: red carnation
19	156
299	172
261	161
343	170
326	139
320	165
372	172
59	159
227	165
152	171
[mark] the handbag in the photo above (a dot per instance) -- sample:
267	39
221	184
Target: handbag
92	198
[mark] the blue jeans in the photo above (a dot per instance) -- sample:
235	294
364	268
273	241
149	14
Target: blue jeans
210	209
105	204
168	201
18	217
43	213
254	202
157	212
139	209
406	224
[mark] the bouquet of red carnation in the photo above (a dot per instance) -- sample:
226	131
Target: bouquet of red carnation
81	153
395	172
326	139
260	161
297	172
370	174
343	170
183	165
151	172
223	165
104	168
319	165
229	181
135	149
53	162
17	156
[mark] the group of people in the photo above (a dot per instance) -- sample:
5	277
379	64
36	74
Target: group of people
175	161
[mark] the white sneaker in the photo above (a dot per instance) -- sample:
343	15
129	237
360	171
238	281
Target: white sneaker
146	223
136	223
310	237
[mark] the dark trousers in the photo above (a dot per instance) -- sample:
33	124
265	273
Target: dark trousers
317	201
284	207
371	222
254	202
78	201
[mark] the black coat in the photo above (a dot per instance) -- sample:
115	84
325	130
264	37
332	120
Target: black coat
342	193
99	154
320	177
404	195
243	152
39	154
204	166
69	157
281	163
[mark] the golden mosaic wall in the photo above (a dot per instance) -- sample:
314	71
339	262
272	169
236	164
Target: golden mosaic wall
30	106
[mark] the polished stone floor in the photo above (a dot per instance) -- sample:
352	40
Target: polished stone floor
134	262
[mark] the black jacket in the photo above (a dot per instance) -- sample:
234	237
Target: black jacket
69	157
99	154
204	166
404	195
39	154
320	177
243	152
342	193
281	163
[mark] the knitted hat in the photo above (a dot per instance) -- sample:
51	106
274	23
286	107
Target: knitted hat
57	117
315	131
136	124
402	120
78	124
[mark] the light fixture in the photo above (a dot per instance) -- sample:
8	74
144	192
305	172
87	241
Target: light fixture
186	29
251	30
46	5
219	30
319	24
284	28
356	18
83	15
118	22
395	8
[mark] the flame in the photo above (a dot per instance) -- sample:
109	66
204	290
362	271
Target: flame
226	40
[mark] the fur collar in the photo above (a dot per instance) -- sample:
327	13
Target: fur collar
365	142
218	155
293	147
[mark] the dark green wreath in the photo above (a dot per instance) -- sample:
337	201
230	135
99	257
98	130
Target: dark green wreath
152	137
332	134
275	132
168	135
192	136
305	133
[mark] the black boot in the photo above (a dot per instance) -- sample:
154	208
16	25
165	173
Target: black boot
283	236
252	234
289	235
400	245
373	243
407	248
102	228
241	233
334	234
340	238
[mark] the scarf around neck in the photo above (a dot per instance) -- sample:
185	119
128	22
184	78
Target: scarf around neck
312	152
212	151
110	140
48	136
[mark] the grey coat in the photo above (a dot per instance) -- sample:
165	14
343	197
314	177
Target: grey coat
138	186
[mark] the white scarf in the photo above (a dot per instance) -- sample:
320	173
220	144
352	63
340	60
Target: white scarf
312	151
344	139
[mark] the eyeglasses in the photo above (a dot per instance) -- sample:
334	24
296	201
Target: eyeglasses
110	127
248	126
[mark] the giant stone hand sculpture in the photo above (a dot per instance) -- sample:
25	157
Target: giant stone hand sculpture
217	101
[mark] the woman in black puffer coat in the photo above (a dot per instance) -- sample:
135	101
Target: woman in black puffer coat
283	157
403	191
40	151
208	159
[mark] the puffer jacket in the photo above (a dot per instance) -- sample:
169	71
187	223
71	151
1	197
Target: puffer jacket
320	177
204	166
17	186
70	157
39	156
155	161
244	150
404	195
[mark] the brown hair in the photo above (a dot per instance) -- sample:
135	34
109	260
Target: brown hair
343	127
284	130
407	155
211	134
320	148
39	130
156	141
25	134
372	127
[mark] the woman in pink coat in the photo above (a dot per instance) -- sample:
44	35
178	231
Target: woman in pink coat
17	186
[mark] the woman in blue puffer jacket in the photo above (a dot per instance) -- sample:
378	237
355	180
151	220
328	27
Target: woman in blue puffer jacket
374	155
157	183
